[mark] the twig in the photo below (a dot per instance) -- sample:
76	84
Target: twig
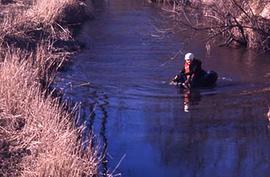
119	163
172	58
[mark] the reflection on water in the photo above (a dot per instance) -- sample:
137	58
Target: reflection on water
214	140
121	81
190	97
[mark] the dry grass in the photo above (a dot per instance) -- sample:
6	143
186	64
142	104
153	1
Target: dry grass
49	13
38	124
29	24
37	135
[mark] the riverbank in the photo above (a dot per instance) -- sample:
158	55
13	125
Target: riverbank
227	23
37	132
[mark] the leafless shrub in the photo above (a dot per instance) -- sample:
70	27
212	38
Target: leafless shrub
239	22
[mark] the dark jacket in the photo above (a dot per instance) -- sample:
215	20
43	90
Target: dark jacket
194	68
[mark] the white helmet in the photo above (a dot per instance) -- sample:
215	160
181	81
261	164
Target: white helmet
189	56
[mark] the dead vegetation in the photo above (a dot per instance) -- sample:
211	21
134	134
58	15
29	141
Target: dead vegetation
39	20
37	126
239	22
37	135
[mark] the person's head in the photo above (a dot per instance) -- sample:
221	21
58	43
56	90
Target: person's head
189	57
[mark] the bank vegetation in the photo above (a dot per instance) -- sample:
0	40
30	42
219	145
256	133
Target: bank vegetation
37	132
243	23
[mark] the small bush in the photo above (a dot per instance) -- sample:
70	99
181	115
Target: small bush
240	22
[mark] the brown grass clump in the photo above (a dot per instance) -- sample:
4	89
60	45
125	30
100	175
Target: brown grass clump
37	126
57	11
27	25
49	13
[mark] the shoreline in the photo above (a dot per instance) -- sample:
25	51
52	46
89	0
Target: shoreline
38	135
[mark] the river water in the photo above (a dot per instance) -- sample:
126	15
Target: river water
145	127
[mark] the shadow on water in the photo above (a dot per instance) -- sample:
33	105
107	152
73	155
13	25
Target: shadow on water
103	135
93	115
121	81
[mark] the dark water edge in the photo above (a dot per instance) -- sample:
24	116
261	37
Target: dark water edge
121	80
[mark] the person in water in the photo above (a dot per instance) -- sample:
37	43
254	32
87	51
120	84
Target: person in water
192	72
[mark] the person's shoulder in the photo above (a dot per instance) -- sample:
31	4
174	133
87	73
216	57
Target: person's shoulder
195	60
